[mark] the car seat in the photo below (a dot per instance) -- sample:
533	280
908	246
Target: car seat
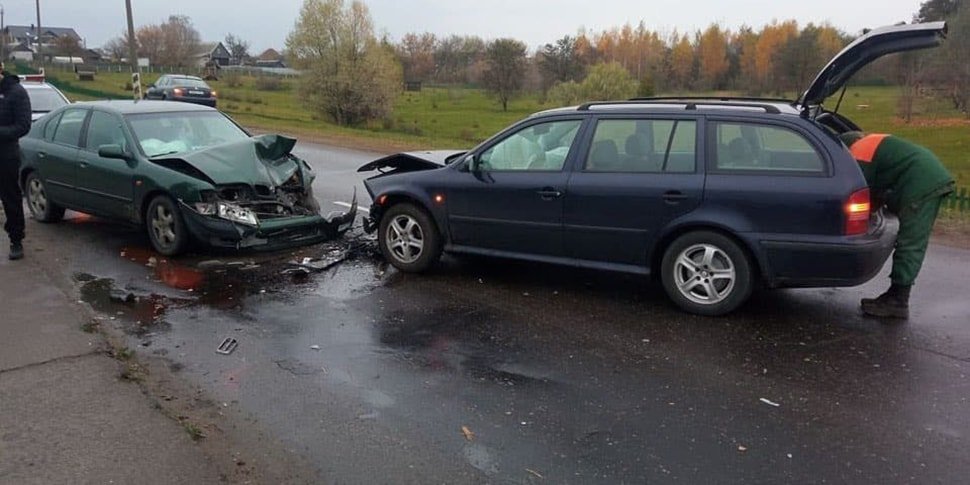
604	157
639	154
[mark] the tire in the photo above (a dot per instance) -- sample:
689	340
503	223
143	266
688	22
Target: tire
409	238
706	273
165	227
40	205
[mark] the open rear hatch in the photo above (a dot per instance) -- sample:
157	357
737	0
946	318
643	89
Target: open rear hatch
866	49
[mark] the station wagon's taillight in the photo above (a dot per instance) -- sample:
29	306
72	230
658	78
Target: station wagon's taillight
857	210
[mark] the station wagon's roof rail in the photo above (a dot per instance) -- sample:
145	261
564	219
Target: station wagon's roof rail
715	98
689	104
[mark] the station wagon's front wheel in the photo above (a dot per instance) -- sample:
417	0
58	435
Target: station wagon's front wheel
409	238
706	273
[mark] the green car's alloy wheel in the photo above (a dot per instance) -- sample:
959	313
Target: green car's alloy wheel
166	229
39	203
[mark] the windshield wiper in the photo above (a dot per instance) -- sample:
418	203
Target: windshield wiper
166	153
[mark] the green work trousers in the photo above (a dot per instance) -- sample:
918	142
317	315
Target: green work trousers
915	226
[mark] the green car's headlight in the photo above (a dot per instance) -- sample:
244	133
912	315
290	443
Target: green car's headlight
234	213
229	212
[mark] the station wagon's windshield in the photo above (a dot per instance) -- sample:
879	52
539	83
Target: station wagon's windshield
170	133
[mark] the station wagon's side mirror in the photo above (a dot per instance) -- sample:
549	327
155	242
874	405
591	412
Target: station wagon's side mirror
474	163
113	151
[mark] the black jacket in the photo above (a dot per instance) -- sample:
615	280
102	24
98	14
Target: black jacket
14	116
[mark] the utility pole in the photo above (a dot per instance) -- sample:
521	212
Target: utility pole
40	42
133	55
3	36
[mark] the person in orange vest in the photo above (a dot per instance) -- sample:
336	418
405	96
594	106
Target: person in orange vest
912	183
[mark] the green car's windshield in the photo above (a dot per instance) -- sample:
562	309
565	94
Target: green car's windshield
169	133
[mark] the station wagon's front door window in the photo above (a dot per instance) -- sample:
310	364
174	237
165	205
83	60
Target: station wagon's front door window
541	147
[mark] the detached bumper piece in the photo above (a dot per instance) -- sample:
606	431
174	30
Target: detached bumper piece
268	234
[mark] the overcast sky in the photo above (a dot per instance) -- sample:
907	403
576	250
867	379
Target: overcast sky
266	23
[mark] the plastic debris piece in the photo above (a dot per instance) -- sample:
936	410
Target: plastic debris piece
742	448
227	346
770	403
533	472
315	347
469	435
789	456
122	296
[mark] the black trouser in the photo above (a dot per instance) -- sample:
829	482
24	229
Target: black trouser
12	198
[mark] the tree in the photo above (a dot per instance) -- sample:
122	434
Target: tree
606	81
712	56
559	62
67	45
949	70
680	64
151	44
772	38
455	58
505	69
351	76
417	54
238	48
933	10
117	48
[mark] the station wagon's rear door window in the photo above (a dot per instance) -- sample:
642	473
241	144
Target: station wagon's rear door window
744	147
643	146
540	147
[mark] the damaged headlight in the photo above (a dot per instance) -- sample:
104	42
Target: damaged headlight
229	212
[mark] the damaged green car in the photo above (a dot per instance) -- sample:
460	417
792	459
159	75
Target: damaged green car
184	172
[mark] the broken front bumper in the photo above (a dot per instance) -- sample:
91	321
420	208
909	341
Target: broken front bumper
269	234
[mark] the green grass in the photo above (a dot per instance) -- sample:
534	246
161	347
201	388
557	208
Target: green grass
457	117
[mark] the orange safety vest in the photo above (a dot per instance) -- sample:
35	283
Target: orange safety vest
864	150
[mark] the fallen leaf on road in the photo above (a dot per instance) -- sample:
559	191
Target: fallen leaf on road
469	435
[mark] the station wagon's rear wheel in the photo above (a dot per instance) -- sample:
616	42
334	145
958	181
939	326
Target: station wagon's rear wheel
409	238
166	229
39	203
706	273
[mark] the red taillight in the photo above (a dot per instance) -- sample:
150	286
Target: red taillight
857	210
177	91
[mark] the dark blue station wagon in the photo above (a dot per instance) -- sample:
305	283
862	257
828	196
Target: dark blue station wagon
714	196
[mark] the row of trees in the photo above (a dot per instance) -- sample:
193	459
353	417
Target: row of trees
175	42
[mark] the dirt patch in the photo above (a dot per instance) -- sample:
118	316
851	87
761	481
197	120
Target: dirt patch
933	122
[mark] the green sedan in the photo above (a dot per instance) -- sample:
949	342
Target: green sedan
184	172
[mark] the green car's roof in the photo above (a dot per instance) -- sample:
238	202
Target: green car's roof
130	107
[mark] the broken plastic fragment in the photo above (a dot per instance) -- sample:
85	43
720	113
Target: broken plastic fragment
770	403
469	435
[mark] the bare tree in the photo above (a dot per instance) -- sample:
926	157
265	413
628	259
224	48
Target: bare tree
117	48
238	48
68	46
506	69
151	44
416	52
180	40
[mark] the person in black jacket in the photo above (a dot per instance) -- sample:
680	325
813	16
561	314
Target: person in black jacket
14	123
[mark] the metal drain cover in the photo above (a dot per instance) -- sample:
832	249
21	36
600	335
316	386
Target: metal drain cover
227	346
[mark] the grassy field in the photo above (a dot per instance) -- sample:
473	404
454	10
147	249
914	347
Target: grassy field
461	117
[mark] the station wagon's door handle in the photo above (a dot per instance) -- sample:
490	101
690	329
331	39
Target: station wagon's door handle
674	196
549	193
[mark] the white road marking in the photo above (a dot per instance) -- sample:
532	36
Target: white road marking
348	205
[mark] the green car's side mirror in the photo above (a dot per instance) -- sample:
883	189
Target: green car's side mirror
113	151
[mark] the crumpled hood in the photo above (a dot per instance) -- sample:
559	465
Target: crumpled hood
260	160
412	161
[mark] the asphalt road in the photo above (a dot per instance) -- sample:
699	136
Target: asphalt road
495	371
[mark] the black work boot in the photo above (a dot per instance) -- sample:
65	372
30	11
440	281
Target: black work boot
894	303
16	251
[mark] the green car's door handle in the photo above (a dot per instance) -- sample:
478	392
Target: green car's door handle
41	155
83	164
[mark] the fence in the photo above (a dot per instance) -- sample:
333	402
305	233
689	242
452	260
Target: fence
959	200
191	70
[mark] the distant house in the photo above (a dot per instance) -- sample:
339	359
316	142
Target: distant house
21	52
17	34
215	53
270	58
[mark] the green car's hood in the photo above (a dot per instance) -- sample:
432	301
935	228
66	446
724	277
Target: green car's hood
260	160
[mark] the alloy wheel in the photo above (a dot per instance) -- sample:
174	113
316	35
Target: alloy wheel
405	239
36	197
163	226
704	274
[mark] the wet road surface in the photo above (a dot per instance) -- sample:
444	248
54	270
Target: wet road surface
487	371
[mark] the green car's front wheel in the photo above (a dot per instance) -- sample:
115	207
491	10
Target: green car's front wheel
166	229
41	207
